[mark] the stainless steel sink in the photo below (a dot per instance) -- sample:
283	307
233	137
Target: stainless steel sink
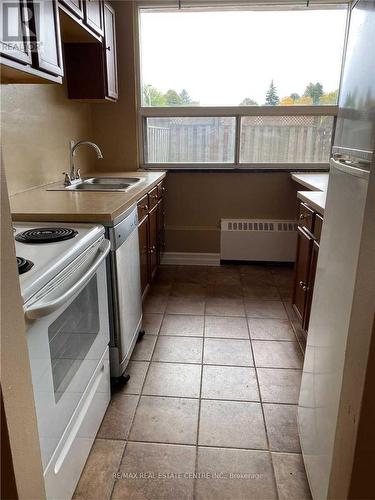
112	180
83	186
119	184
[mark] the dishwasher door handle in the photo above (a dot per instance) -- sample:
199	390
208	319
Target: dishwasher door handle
44	308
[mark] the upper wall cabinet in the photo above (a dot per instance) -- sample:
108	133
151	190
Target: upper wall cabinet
94	15
48	56
15	23
75	6
91	68
110	51
30	42
32	35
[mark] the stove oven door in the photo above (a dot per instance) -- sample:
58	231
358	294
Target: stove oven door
68	335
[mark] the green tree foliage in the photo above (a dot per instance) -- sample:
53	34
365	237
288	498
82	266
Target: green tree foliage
185	97
153	96
248	102
329	98
172	98
272	99
315	91
294	96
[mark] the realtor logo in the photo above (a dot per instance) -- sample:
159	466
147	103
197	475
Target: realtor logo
20	23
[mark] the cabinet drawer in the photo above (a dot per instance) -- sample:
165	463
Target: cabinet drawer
306	217
142	206
161	189
318	224
153	197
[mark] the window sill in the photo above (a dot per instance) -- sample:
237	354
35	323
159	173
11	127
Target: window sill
240	170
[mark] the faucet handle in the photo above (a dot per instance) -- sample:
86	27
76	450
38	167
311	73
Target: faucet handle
67	179
78	174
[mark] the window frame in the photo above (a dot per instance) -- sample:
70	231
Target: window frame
236	112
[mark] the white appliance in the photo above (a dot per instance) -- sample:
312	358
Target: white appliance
64	290
343	303
125	296
258	240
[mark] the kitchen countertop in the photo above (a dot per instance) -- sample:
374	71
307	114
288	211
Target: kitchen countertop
71	206
318	183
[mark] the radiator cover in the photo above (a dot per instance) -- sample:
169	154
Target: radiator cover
258	240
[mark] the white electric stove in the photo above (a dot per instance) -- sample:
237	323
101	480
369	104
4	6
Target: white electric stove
64	290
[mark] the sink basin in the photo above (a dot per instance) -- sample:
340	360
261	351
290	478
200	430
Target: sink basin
112	180
83	186
120	184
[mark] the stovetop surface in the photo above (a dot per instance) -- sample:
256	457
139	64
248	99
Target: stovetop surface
49	259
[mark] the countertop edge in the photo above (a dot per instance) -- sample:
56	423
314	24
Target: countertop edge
296	176
315	199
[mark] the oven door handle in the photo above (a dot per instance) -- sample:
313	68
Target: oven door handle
42	308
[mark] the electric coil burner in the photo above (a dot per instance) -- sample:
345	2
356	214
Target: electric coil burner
24	265
46	235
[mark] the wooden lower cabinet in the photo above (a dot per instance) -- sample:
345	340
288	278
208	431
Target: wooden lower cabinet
151	234
304	248
309	231
143	230
160	228
311	282
153	242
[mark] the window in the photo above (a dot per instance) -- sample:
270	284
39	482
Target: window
191	140
208	78
285	139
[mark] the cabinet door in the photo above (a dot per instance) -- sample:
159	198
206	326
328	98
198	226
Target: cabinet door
14	35
310	284
48	56
76	6
304	249
161	229
306	217
110	51
153	241
143	230
94	15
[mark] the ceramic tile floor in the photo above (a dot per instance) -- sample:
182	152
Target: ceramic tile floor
210	409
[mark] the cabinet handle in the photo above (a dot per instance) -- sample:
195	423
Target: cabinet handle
144	207
303	286
304	216
155	197
108	48
152	249
163	189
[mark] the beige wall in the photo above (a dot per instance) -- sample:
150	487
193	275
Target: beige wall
196	202
37	122
116	123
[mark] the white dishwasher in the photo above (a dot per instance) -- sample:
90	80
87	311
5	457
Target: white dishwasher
125	298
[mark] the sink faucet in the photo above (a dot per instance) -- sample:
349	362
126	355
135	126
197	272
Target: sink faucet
75	175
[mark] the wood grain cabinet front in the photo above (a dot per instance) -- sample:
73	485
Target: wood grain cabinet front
308	241
151	214
110	51
48	56
91	68
75	6
304	248
15	21
93	11
153	242
35	56
143	231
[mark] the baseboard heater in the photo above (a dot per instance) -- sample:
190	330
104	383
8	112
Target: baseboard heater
258	240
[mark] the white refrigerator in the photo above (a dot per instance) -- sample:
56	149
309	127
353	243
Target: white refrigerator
342	314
